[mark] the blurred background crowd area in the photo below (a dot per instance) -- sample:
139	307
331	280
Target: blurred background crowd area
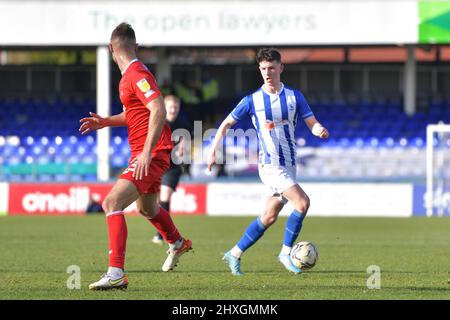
356	92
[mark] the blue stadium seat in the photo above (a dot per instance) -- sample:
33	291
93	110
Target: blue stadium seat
387	142
74	159
417	142
89	159
76	178
81	149
60	177
13	160
43	159
119	161
89	178
47	130
36	150
45	178
15	178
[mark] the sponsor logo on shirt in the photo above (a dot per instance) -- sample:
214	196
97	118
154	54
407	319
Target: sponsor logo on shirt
270	125
143	85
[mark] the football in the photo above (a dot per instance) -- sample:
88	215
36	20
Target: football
304	255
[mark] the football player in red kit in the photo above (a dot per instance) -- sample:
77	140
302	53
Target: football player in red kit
150	141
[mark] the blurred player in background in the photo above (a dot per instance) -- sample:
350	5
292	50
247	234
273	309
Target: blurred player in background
274	109
94	205
150	141
172	176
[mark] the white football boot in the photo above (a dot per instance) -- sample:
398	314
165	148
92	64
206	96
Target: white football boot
174	255
107	282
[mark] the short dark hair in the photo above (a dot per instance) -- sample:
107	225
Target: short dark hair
268	54
124	33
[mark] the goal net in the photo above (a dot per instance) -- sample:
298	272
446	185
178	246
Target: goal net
437	198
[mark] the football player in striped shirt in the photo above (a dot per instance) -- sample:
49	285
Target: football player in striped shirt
274	110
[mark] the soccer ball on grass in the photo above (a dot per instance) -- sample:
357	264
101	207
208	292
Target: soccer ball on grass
304	255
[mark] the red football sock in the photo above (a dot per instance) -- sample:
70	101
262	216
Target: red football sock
165	226
117	234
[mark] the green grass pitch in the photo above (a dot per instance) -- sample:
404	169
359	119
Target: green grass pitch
413	255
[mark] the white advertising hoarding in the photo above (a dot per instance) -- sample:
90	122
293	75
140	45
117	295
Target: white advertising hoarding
235	199
159	23
4	197
327	199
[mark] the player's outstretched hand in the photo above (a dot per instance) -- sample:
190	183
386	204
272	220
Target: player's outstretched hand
211	160
94	122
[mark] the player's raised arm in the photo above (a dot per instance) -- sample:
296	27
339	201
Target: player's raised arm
316	128
221	132
95	122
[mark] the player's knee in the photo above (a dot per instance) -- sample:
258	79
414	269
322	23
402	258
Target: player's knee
111	204
271	220
302	205
144	213
148	212
268	220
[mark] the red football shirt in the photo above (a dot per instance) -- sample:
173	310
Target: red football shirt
136	89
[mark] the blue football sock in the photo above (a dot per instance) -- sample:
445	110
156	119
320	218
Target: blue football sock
293	227
254	231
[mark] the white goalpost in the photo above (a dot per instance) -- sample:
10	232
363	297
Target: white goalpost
438	170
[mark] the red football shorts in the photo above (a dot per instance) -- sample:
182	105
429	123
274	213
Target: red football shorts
152	182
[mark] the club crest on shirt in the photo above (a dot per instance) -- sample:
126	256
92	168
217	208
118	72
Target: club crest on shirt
143	85
269	125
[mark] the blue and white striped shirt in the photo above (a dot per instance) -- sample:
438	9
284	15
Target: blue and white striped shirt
274	116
